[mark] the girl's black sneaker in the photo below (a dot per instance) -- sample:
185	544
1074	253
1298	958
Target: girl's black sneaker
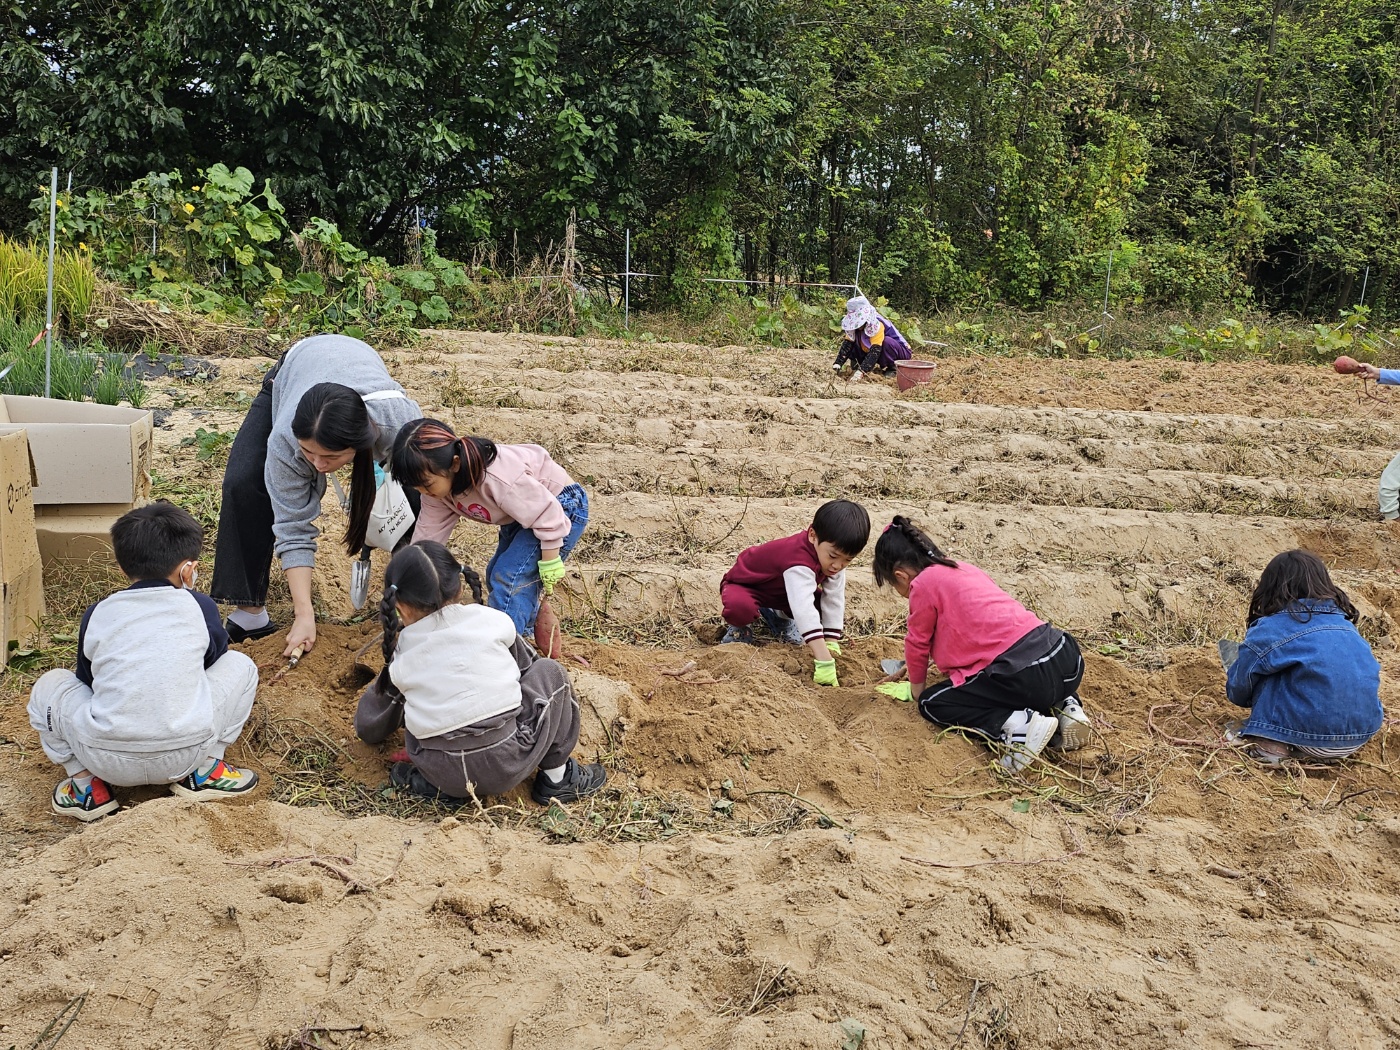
406	777
579	781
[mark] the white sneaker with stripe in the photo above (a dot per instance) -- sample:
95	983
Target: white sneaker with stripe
1074	729
1026	734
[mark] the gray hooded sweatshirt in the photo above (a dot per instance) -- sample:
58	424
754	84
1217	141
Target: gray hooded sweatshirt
293	484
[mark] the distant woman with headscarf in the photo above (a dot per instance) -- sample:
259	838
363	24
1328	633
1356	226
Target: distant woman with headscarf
869	341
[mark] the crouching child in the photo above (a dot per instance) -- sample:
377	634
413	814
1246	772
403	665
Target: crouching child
157	696
1310	680
480	709
797	585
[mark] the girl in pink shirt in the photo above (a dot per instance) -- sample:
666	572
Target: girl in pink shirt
538	508
1011	676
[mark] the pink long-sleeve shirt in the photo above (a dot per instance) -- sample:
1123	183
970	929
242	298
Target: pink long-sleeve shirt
522	484
961	619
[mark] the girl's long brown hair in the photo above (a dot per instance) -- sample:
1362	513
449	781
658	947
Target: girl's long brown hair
1292	579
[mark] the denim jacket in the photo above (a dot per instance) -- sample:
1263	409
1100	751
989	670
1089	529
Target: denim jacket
1312	682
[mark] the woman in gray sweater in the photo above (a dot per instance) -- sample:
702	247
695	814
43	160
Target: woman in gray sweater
301	427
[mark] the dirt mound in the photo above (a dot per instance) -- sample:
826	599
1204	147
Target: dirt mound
260	925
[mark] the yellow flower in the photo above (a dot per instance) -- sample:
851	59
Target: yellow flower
189	208
194	189
82	247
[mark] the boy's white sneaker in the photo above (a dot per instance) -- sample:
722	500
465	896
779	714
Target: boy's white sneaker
1074	729
1026	734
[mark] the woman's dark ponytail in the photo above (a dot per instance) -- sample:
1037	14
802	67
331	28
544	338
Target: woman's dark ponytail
903	545
362	492
334	416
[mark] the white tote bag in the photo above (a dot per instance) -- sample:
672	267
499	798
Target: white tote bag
391	516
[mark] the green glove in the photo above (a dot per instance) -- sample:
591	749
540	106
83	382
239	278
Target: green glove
834	646
897	691
551	572
824	672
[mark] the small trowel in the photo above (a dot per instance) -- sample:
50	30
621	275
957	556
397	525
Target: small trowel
359	580
359	570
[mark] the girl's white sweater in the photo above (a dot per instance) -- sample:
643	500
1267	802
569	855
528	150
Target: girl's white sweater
454	668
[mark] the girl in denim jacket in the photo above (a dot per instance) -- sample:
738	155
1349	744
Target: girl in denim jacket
1309	677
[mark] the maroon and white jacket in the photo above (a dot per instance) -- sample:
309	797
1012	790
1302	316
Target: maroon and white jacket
786	575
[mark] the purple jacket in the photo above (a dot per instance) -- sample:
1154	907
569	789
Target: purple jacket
895	347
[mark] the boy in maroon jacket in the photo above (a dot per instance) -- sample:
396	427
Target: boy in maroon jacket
798	585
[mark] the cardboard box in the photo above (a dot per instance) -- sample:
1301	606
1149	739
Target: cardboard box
93	464
77	531
21	573
83	453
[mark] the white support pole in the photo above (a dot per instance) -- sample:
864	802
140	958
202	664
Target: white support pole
1364	281
1107	281
627	281
860	255
48	313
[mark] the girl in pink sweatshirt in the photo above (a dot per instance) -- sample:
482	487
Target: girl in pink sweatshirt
1011	677
538	508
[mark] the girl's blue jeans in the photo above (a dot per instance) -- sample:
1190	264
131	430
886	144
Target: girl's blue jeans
513	573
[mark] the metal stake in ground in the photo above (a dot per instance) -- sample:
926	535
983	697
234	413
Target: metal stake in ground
48	317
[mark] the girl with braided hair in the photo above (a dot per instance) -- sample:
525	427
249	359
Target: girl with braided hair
1011	676
539	509
481	710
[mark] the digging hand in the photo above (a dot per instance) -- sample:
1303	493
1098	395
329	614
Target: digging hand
834	646
900	691
302	636
824	672
551	572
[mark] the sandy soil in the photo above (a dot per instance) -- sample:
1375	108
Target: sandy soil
777	864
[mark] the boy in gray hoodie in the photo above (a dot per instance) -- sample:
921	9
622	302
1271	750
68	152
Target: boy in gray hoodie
157	696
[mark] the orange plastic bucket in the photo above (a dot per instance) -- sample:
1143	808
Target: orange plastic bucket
909	374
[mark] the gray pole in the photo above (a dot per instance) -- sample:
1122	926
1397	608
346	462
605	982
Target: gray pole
627	282
48	313
860	254
1363	285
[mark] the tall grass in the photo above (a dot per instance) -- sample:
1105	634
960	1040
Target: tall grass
22	281
24	284
75	374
